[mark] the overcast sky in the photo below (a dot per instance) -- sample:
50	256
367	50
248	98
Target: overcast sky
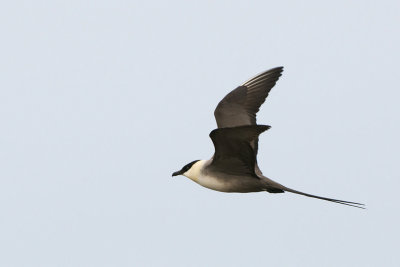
100	101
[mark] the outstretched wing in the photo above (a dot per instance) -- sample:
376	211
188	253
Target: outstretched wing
233	152
240	106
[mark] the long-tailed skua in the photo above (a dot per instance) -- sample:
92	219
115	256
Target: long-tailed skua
234	168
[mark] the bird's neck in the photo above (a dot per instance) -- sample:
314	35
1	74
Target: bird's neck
196	170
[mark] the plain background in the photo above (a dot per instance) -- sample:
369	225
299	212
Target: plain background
100	101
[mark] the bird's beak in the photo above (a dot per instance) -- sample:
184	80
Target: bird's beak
176	173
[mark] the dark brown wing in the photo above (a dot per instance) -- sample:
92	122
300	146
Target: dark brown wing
233	152
240	106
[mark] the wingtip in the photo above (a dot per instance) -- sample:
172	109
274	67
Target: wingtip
271	75
278	69
264	127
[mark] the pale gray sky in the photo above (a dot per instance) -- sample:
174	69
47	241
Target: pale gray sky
100	101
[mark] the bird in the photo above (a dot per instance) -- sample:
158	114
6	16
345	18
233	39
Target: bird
233	167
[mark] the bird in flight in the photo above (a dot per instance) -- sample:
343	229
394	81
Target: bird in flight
234	168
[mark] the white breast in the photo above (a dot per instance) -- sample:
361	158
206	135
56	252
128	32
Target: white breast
196	174
212	183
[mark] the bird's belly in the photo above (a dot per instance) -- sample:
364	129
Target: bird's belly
230	184
213	183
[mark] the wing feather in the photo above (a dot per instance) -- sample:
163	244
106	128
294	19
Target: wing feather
241	105
234	153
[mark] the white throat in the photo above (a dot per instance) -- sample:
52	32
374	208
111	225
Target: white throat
195	172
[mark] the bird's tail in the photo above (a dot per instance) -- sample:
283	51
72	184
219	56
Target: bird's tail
274	187
343	202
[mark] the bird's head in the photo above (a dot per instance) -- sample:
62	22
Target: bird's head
186	169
